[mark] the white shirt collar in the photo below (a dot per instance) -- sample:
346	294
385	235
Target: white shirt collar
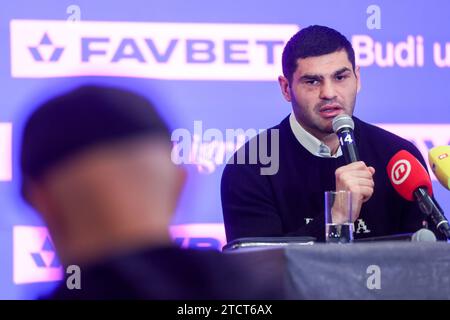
311	143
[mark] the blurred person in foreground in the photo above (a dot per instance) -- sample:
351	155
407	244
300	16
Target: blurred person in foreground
96	165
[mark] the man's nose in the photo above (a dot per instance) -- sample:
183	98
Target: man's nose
327	91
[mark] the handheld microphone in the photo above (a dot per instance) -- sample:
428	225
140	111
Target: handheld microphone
439	160
343	126
410	179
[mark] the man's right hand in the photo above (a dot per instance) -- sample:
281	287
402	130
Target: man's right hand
357	178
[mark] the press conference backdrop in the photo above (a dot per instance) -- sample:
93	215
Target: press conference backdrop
209	66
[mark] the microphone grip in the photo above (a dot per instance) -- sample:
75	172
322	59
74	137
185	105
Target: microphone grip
430	208
348	146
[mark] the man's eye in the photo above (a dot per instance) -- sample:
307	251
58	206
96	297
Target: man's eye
341	77
312	82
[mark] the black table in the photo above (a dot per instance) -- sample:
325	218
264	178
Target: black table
375	270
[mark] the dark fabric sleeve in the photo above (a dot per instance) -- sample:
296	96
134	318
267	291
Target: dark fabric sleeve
247	202
250	209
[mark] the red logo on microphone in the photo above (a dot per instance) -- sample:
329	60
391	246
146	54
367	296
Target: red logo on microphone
400	171
443	156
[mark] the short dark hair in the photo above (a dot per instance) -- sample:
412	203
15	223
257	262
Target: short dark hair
84	117
314	41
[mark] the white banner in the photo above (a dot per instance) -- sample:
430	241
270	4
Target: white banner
180	51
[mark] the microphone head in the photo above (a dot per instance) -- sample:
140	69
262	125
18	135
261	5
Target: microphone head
423	235
439	160
342	121
407	174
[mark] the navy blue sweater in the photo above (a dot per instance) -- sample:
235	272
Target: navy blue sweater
283	204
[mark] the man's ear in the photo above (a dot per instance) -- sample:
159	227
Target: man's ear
285	89
38	198
358	78
181	178
179	181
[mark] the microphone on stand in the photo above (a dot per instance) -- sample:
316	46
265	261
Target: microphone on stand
439	160
423	235
410	179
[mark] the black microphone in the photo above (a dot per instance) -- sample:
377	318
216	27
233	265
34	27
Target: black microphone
343	126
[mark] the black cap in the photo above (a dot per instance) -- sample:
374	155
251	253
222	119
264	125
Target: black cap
82	118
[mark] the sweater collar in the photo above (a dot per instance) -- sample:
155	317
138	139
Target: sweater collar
309	142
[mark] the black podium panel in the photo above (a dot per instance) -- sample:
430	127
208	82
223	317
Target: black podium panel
397	270
375	270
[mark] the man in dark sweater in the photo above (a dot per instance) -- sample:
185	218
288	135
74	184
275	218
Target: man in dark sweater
320	81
